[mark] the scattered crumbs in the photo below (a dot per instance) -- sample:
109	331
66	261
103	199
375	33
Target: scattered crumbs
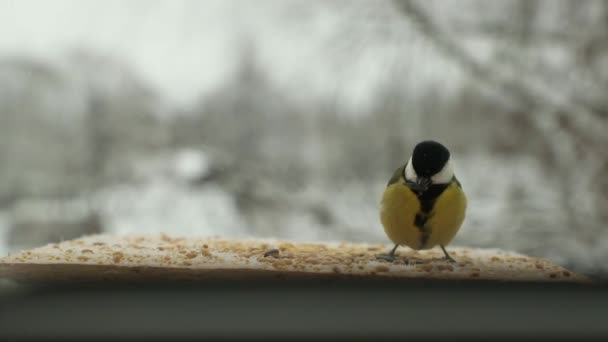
288	257
168	239
191	255
117	257
312	261
382	268
427	267
285	246
277	263
445	267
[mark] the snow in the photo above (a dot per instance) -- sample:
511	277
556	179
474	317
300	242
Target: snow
166	207
162	202
191	164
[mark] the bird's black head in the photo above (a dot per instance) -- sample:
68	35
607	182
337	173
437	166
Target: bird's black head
429	157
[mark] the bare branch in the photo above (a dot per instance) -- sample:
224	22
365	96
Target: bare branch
527	94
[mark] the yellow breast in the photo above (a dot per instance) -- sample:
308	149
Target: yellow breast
398	212
399	209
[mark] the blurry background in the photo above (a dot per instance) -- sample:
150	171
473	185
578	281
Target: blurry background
285	119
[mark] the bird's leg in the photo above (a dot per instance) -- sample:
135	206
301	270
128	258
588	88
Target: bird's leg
390	257
447	256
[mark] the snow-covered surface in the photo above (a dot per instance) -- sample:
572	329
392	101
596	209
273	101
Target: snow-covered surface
191	165
166	207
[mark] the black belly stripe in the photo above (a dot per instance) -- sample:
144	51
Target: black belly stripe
420	223
427	201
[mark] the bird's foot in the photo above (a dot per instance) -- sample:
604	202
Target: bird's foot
386	257
416	261
449	259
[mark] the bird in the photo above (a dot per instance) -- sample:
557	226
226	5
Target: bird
423	204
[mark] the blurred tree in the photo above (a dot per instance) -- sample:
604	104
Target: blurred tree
567	122
122	119
39	142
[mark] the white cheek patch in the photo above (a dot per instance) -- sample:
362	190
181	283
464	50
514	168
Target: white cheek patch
410	174
445	175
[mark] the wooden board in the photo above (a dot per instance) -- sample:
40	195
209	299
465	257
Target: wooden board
164	258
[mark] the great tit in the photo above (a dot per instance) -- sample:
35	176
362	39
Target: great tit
423	204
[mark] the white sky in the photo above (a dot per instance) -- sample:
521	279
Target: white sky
163	40
187	47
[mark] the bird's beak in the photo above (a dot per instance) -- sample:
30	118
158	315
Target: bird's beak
420	185
423	183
